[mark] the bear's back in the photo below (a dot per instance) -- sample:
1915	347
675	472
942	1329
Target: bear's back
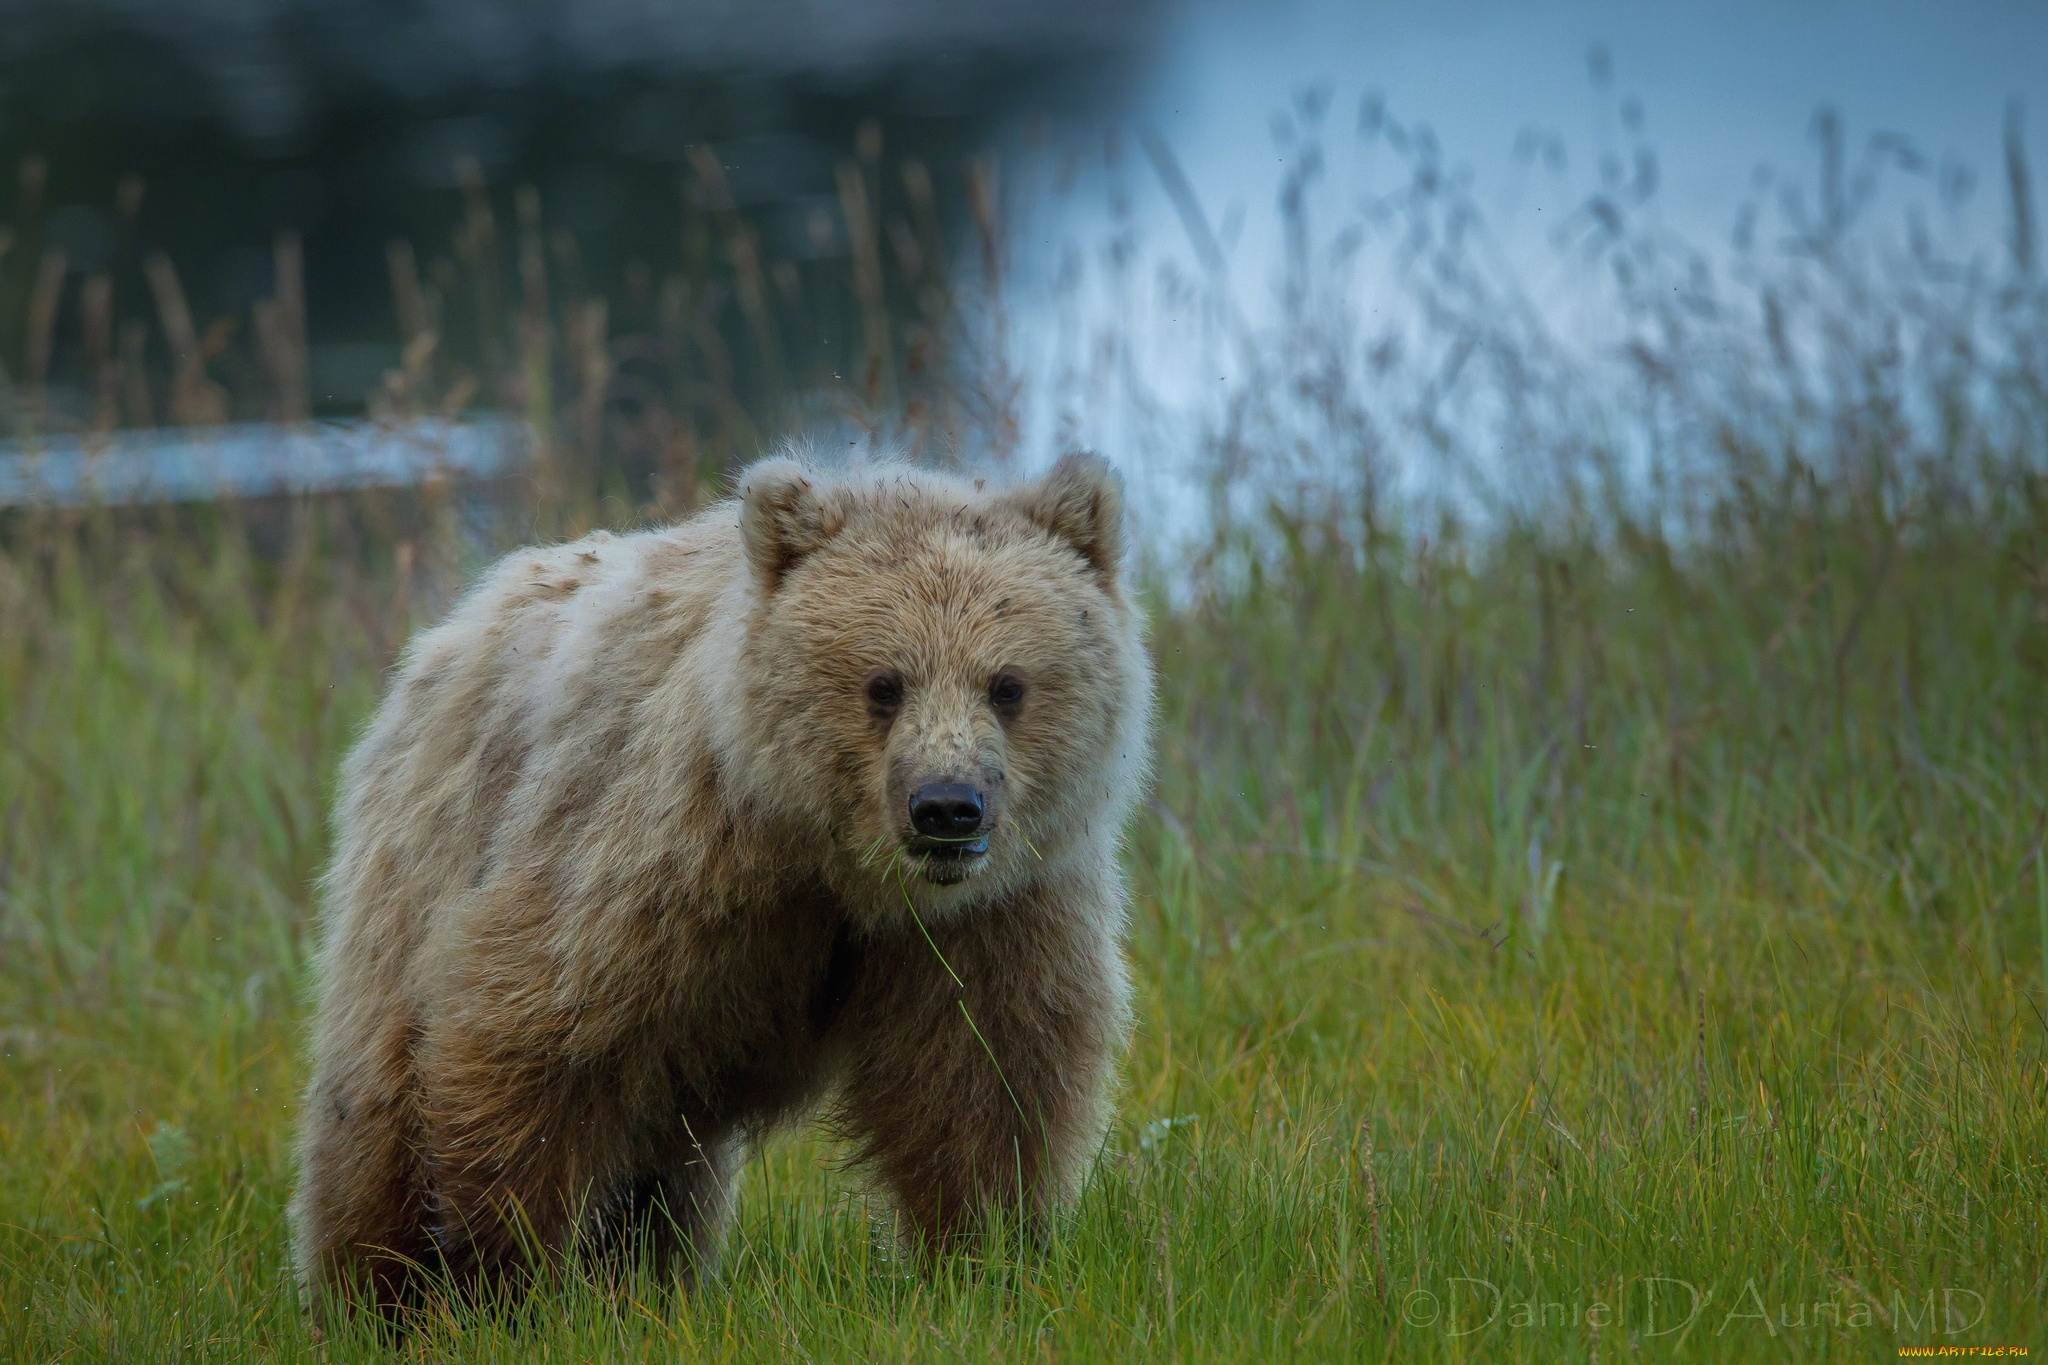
524	694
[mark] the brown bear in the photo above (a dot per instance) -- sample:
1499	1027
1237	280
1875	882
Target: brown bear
660	840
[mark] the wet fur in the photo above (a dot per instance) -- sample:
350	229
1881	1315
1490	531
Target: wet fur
620	880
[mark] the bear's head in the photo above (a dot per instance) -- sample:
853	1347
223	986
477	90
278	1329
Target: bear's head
946	686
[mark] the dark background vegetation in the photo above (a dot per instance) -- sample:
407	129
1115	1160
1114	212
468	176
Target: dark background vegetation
207	132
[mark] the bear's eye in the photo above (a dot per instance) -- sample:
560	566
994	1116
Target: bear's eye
885	694
1006	693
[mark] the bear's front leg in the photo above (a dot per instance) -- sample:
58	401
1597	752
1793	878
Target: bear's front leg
982	1059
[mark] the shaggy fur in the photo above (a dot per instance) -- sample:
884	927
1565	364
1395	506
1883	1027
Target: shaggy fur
625	875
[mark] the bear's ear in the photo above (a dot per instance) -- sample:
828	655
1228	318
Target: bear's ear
1081	501
783	517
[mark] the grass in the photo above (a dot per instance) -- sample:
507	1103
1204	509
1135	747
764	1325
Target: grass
1524	925
1618	933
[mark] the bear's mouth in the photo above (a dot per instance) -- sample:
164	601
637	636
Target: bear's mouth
946	860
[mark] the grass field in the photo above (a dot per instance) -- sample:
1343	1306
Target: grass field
1622	934
1557	946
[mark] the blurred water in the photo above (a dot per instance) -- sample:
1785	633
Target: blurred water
253	460
1697	124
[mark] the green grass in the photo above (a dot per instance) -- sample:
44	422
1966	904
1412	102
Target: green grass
1524	926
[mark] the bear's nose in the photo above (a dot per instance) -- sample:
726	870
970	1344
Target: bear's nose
946	810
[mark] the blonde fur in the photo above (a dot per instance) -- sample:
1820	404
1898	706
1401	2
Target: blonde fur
623	877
